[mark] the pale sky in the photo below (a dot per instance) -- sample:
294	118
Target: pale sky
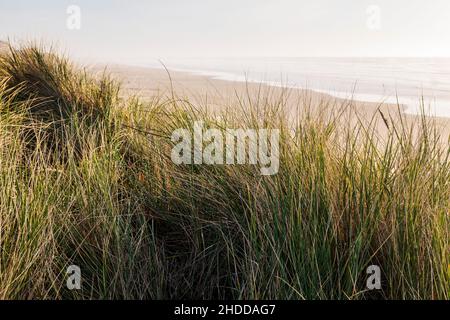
134	30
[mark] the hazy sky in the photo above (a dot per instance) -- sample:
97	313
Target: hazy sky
132	30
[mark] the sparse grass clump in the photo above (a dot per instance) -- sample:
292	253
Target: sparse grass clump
141	227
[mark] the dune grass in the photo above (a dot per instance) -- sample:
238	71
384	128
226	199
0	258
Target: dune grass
86	178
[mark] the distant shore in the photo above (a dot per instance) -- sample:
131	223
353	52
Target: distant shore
215	94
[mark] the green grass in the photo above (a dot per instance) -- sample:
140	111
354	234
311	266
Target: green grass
86	178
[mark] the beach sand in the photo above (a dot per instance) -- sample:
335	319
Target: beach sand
3	46
218	95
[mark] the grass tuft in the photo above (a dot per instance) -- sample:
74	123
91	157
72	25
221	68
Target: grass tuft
86	178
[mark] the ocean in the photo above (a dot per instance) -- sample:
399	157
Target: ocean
413	82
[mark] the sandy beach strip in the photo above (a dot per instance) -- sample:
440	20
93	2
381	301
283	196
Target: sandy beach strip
216	95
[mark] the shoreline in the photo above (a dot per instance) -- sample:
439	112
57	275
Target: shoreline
436	107
211	93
